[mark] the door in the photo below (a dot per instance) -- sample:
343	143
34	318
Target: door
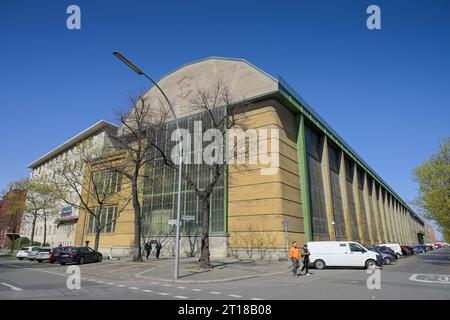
342	255
357	255
86	254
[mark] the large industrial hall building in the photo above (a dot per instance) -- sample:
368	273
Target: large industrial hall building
321	190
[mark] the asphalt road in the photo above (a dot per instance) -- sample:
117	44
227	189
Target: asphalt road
426	276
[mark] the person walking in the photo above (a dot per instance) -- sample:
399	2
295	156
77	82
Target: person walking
158	249
148	248
305	255
294	255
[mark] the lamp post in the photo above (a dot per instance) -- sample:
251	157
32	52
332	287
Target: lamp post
180	166
334	229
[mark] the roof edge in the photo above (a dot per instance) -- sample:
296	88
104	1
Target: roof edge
72	141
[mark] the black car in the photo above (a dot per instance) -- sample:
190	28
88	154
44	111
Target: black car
388	250
79	255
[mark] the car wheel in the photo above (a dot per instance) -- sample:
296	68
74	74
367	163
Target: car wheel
81	260
62	263
319	264
40	261
52	262
398	255
100	258
370	263
20	258
387	261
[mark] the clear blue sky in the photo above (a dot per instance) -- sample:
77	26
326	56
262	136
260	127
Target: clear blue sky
387	92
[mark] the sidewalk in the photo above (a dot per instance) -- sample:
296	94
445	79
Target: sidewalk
223	270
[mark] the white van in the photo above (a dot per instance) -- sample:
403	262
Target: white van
394	246
341	254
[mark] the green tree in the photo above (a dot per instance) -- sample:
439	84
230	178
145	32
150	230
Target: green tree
433	177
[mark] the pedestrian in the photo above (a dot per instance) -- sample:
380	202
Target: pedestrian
305	255
158	249
294	255
148	248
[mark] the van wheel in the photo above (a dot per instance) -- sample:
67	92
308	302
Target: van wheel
387	261
370	263
20	258
319	264
40	261
398	256
62	263
81	260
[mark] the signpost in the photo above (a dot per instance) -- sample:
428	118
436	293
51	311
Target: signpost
188	218
172	222
286	224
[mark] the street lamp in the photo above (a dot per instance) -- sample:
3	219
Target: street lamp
334	229
172	110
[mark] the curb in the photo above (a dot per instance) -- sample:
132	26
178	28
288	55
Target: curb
211	281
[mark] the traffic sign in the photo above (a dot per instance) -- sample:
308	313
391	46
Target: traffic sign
172	222
188	218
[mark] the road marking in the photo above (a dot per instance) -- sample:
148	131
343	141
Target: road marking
155	283
133	288
163	293
181	287
12	287
430	278
111	283
215	292
235	296
181	297
167	285
256	299
146	290
121	285
198	290
100	281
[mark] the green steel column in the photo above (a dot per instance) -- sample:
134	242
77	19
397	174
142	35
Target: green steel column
302	170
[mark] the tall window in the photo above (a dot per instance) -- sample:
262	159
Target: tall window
161	186
351	200
363	205
339	219
372	209
316	190
107	182
106	218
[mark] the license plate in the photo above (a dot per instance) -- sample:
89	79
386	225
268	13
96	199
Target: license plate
65	255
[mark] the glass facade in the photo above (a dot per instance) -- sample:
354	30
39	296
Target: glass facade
339	219
316	188
362	204
351	200
161	185
372	209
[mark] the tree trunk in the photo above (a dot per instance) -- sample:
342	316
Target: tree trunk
97	238
33	228
204	255
137	254
45	230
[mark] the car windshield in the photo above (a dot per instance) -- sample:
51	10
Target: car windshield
45	250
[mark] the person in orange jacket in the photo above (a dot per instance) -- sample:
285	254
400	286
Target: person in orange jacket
294	255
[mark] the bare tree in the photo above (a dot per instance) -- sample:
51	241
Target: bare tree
83	181
139	128
40	202
220	114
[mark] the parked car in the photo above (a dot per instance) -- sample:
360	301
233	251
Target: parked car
32	252
388	258
79	255
419	249
54	255
407	251
43	254
22	253
342	254
394	246
428	247
388	250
